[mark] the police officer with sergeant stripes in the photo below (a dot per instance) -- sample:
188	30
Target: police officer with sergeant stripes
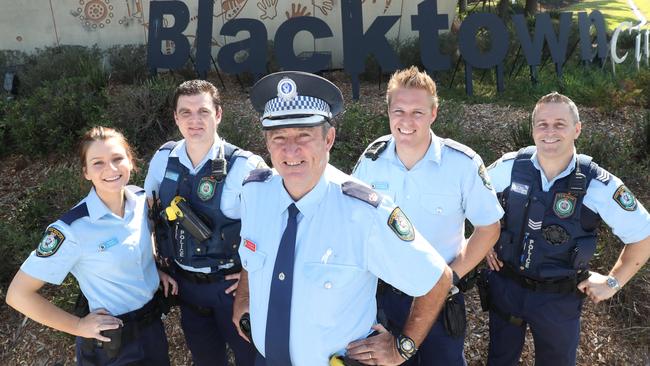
315	241
438	183
554	200
194	186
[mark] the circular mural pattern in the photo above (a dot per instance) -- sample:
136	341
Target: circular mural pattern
95	13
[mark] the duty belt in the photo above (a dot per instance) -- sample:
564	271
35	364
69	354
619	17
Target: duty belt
201	278
562	285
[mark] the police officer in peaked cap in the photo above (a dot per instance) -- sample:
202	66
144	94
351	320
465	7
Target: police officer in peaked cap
315	241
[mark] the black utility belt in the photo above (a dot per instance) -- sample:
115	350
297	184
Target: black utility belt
562	285
205	278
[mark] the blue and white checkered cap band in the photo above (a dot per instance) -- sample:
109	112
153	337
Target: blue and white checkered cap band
301	104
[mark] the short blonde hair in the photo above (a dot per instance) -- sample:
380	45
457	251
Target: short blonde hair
414	79
555	97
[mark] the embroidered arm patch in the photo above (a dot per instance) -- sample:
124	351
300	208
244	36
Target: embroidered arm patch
401	225
624	197
50	243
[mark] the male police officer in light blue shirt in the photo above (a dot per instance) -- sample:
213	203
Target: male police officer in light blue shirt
554	201
438	183
314	242
204	173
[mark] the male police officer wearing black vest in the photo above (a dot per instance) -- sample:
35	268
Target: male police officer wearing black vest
194	186
554	200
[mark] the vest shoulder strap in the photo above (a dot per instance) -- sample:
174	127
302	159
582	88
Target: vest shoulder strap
169	145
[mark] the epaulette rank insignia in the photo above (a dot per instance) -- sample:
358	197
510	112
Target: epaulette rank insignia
361	192
258	175
50	243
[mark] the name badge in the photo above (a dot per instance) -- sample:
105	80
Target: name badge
108	244
380	185
519	188
171	175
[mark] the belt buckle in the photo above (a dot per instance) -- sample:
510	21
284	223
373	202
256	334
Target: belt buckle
202	277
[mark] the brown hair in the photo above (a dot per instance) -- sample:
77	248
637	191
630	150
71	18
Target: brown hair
195	87
414	79
555	97
100	133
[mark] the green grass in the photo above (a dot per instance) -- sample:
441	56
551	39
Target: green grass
615	11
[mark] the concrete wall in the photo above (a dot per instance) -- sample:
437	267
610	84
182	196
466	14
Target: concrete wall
29	24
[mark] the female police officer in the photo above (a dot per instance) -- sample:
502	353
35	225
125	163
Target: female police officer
105	243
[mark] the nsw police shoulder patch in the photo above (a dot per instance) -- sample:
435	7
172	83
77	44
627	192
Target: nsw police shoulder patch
401	225
206	189
50	243
564	205
482	172
624	197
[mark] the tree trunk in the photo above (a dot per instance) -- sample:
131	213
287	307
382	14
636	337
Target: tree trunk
503	8
531	7
462	6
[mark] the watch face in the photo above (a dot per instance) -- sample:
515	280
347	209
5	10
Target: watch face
406	344
611	282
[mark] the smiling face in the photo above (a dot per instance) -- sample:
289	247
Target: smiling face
555	131
197	118
411	113
107	166
300	156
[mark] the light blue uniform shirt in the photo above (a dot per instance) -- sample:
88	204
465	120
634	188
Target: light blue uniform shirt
111	257
629	226
437	193
230	203
343	245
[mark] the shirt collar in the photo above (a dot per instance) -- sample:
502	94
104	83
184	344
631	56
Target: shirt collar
97	209
309	203
569	168
433	153
180	152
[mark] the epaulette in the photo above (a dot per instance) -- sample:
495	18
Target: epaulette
169	145
460	147
135	189
376	147
75	214
601	174
509	156
361	192
258	175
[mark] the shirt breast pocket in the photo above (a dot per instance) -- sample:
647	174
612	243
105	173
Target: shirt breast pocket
329	287
441	205
253	262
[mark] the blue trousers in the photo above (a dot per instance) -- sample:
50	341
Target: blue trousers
148	348
554	320
438	348
206	336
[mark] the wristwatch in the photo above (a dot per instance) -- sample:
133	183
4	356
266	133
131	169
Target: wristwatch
405	346
612	282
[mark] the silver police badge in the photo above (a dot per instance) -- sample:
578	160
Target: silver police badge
287	90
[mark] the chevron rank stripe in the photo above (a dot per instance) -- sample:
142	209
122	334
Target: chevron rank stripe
534	225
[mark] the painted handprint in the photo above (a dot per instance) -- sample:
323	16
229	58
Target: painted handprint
232	8
269	9
297	10
323	5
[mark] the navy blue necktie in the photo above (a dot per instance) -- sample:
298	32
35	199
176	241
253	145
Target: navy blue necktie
279	311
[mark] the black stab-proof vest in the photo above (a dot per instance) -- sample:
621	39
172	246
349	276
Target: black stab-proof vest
219	252
548	235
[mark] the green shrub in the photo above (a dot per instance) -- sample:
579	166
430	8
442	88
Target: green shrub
55	116
641	139
16	247
522	134
243	130
355	130
62	189
144	113
54	63
128	63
